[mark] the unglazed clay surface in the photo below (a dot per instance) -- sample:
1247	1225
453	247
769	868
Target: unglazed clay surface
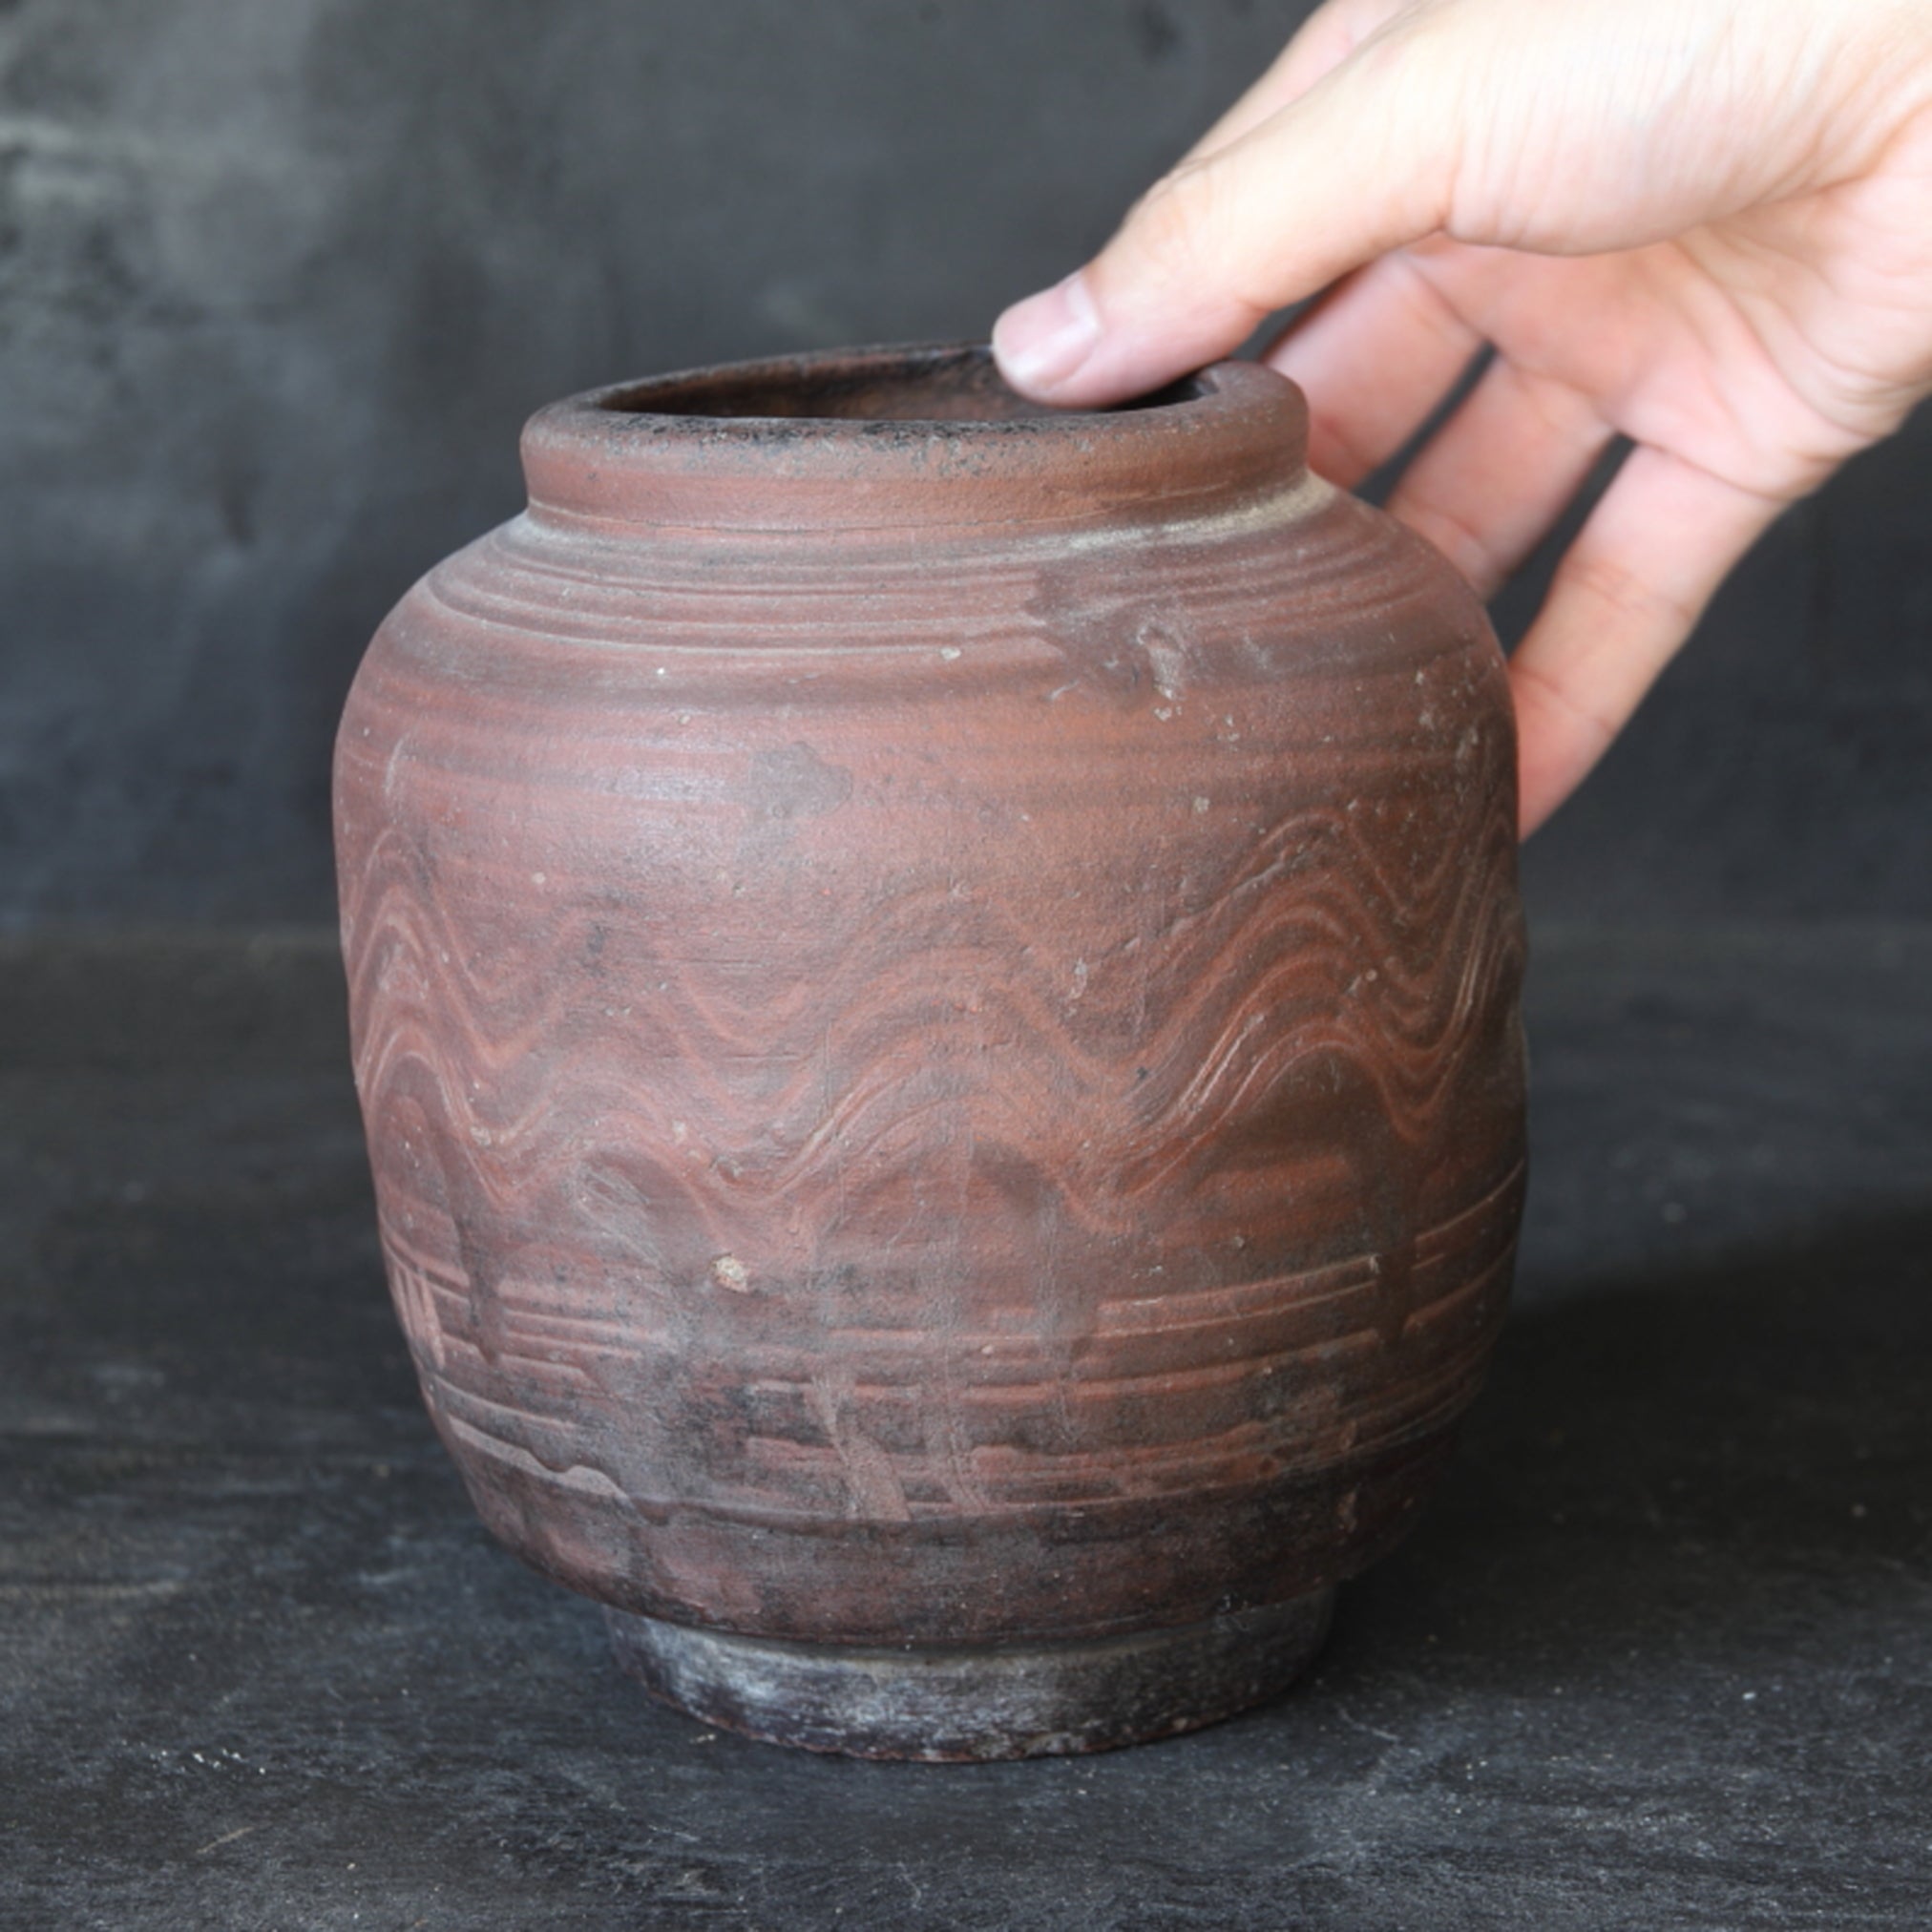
936	1000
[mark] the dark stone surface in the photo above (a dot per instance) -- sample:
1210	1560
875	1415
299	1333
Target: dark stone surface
278	284
1661	1654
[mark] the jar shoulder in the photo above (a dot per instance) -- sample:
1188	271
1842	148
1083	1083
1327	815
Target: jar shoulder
1319	589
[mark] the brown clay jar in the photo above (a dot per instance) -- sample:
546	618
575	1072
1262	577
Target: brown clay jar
936	1000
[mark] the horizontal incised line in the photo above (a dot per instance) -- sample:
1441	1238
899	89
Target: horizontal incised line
1082	1391
1152	1475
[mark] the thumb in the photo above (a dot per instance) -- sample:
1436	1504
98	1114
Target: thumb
1358	165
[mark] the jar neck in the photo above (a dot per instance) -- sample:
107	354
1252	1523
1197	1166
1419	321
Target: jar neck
907	440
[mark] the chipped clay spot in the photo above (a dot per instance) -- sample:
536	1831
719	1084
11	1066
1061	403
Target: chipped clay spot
794	782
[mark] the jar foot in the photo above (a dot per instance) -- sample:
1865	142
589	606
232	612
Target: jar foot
977	1702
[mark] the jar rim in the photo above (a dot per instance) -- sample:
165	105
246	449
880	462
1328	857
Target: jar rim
903	435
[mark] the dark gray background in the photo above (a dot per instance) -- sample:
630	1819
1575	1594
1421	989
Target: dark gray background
280	281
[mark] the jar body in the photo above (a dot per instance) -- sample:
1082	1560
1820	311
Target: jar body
946	1086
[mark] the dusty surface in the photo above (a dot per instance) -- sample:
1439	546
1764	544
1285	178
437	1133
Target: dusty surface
1660	1655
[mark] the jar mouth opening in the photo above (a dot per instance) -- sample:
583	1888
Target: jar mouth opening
954	384
904	438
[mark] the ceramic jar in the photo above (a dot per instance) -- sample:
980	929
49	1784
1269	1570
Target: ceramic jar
934	992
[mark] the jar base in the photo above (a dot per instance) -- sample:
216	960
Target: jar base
977	1702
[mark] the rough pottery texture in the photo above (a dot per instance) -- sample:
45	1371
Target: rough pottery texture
936	1000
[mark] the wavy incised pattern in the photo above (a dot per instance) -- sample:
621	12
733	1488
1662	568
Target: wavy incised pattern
1344	967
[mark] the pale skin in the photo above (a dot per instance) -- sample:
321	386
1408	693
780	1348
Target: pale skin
1702	224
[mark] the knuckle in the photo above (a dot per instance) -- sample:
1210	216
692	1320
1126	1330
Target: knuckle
1173	224
1639	603
1596	721
1460	541
1199	236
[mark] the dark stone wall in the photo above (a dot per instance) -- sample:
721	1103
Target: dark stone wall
278	282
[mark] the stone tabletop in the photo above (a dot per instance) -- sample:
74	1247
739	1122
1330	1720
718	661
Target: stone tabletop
1660	1653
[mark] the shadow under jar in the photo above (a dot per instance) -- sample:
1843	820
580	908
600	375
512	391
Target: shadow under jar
935	991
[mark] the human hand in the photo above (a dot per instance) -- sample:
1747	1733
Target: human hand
1703	224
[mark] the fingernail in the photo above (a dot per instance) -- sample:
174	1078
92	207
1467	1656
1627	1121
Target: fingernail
1041	340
